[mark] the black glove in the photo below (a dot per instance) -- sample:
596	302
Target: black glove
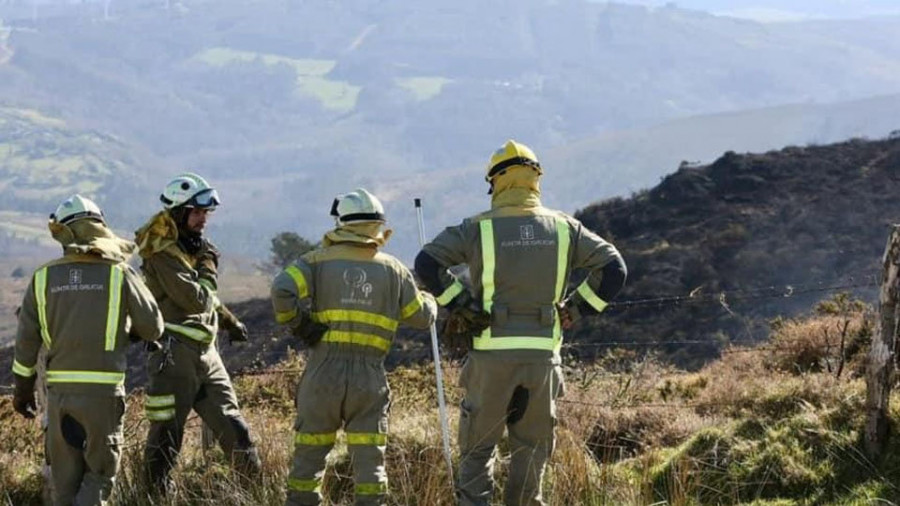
238	333
310	332
23	397
466	320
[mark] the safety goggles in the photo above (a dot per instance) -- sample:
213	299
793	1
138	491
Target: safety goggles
206	198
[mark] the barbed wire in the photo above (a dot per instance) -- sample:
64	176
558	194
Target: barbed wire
722	297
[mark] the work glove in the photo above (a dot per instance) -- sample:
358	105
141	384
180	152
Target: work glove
310	332
466	319
569	314
23	397
238	334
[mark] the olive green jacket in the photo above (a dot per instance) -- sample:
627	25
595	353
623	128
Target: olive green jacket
83	308
520	257
360	293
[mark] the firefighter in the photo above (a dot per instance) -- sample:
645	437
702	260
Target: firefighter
185	371
520	255
83	308
345	302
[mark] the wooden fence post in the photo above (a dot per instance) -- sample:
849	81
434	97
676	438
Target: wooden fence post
881	355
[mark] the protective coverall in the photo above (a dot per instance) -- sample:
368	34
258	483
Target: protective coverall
361	295
185	371
520	256
83	308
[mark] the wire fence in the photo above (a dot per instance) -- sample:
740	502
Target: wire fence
696	297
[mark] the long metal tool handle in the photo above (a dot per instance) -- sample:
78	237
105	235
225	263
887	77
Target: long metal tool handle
442	405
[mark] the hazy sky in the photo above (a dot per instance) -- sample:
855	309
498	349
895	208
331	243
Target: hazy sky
782	10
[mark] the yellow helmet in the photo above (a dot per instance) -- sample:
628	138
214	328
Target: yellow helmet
510	154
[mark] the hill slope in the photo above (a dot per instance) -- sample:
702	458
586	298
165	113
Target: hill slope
757	223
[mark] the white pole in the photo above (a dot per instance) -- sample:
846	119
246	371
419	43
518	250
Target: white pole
442	406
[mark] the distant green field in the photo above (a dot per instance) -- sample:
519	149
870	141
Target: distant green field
423	88
311	80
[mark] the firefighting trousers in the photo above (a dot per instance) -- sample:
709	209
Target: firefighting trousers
520	397
184	376
348	391
84	439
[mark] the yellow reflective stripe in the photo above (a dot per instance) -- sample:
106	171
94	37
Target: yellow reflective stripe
98	377
340	336
113	307
315	439
411	308
304	485
366	439
285	316
488	265
295	272
516	343
584	289
40	295
355	316
161	415
191	332
562	266
371	488
22	370
159	401
450	293
562	259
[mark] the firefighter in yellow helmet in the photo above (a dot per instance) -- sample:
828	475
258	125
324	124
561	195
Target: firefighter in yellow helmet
185	371
83	308
345	302
520	255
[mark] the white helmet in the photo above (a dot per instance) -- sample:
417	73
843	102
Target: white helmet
77	208
189	190
358	206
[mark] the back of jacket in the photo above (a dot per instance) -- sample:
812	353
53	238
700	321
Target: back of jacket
361	294
82	309
520	259
187	303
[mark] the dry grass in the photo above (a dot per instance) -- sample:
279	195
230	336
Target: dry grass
745	429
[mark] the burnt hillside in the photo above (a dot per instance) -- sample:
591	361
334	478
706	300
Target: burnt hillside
808	218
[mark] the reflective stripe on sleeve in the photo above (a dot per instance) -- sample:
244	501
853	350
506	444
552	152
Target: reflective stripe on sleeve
362	339
190	332
366	439
584	289
315	439
113	307
285	316
95	377
40	296
22	370
411	308
450	293
355	316
295	272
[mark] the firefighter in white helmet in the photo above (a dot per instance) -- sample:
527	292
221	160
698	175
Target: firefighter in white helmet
185	371
520	256
83	308
345	302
